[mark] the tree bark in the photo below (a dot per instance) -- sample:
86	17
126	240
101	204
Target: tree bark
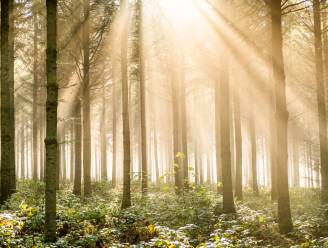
126	199
253	151
114	135
77	144
144	165
86	103
35	99
321	100
51	117
238	144
224	98
217	135
103	137
284	214
8	177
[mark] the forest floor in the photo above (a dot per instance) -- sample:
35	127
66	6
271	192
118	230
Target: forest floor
162	220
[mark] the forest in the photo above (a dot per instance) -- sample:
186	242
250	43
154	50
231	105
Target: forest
164	123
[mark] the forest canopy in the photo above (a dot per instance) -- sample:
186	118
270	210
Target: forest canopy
164	123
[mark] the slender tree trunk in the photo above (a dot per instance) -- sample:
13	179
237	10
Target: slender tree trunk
217	135
201	169
72	164
8	177
114	135
143	141
77	144
42	133
35	99
238	144
175	118
183	114
103	137
86	103
156	155
126	199
254	153
284	214
321	101
22	151
63	153
51	133
12	94
296	172
209	169
196	157
224	97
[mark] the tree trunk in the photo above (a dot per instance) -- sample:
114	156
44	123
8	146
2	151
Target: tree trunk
143	141
72	164
114	134
175	118
51	132
77	144
284	214
86	103
156	155
254	153
22	151
63	153
238	144
217	135
196	157
321	101
8	177
35	99
224	98
103	137
126	199
183	114
296	172
209	169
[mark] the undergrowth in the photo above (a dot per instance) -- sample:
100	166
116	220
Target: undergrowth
162	219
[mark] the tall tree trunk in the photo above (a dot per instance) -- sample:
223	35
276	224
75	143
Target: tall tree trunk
254	153
126	199
72	164
8	177
196	157
42	133
144	166
77	144
238	144
183	114
209	169
103	137
296	171
321	101
114	134
217	135
175	124
156	155
224	98
284	214
201	169
51	133
86	103
35	99
22	151
63	154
